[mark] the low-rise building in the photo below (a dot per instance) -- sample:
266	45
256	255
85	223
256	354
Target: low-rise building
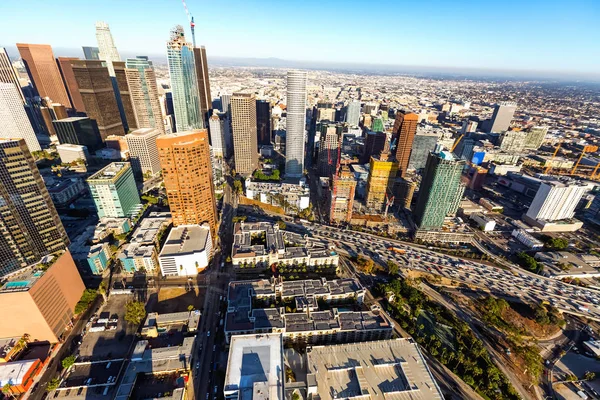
64	192
141	254
484	223
187	250
157	324
562	264
111	226
279	194
262	244
18	376
527	240
98	258
72	153
490	205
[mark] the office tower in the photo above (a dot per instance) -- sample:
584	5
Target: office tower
404	190
367	121
380	184
14	123
78	130
329	148
143	152
216	104
124	93
371	108
41	301
263	122
8	73
377	125
405	128
216	127
69	153
43	72
342	196
47	119
478	178
464	150
513	141
59	111
30	225
66	71
225	103
555	201
243	123
423	143
468	126
535	137
201	64
325	114
187	174
91	53
296	122
502	116
375	142
440	191
353	113
144	93
114	191
96	88
107	51
184	85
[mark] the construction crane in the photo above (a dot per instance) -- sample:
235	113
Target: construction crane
586	149
457	142
549	167
192	24
595	170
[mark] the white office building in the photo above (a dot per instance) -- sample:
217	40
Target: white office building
143	152
216	128
187	251
353	113
72	152
555	201
106	46
502	116
296	121
14	123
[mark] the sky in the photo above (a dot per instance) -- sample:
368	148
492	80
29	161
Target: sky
533	35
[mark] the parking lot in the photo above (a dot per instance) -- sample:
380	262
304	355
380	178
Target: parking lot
577	364
97	373
149	386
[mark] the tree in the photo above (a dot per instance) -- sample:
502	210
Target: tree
238	187
570	378
589	376
135	312
392	268
68	361
6	390
281	225
295	396
553	243
190	307
53	384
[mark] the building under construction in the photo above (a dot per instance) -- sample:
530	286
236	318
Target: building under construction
342	196
329	148
380	185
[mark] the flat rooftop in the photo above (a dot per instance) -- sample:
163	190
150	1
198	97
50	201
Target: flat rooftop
24	279
71	119
111	171
381	370
185	239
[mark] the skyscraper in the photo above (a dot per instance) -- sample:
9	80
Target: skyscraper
513	141
124	94
202	79
8	73
405	128
353	113
555	201
502	116
143	151
422	144
375	142
114	191
225	102
96	88
187	174
184	84
342	195
243	122
535	137
263	122
440	192
30	225
380	184
329	148
107	51
66	71
216	127
14	123
91	53
144	93
296	121
78	130
43	72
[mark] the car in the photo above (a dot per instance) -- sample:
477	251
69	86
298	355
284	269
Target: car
207	396
208	334
197	365
214	348
215	389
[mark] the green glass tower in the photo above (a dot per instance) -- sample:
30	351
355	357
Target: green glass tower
114	190
441	190
378	125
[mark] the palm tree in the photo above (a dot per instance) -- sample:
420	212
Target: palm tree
6	390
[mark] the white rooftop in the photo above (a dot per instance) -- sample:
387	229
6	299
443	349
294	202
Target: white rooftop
14	372
186	239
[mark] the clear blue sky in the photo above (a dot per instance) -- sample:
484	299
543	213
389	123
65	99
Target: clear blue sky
547	35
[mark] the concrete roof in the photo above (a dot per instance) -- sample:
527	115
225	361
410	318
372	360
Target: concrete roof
14	372
186	239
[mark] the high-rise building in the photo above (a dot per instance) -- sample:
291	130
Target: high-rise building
184	85
107	51
404	190
422	144
202	78
66	71
380	184
555	201
535	137
325	114
91	53
513	141
377	125
440	192
353	113
502	116
375	142
330	146
295	125
405	128
217	126
114	191
143	151
263	122
96	88
243	123
14	123
8	73
144	93
343	188
30	225
43	72
187	174
124	95
78	130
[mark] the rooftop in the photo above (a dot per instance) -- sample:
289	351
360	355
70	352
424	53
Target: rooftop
380	370
111	171
14	372
186	239
24	279
142	132
71	119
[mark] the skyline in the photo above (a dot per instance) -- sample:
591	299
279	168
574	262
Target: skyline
524	37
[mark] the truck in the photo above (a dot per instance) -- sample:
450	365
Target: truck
583	309
396	250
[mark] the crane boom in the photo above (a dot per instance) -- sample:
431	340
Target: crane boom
192	24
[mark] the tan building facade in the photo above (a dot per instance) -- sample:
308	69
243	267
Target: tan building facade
187	174
202	77
342	196
382	174
243	123
405	129
41	303
125	93
66	71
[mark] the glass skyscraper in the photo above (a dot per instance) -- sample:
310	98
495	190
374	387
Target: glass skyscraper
184	84
144	92
114	191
